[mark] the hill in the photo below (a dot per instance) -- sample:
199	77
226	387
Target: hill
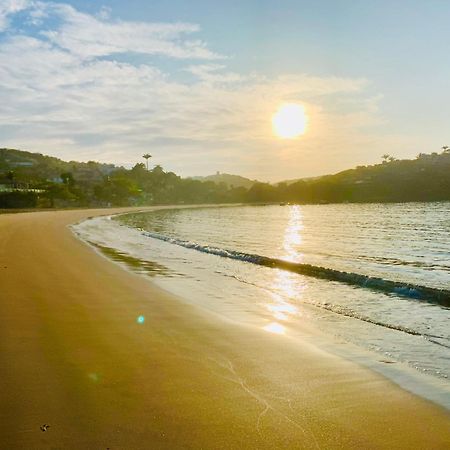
27	167
426	178
35	180
229	180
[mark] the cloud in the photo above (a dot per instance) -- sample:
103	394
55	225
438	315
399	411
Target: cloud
8	8
213	73
104	13
89	36
61	95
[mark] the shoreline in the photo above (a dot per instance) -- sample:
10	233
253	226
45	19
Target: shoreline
73	355
425	385
411	379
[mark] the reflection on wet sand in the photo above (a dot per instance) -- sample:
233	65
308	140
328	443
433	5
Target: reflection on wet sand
135	264
275	327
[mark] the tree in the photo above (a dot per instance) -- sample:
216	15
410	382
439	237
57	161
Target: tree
138	167
118	190
147	156
55	191
67	178
139	173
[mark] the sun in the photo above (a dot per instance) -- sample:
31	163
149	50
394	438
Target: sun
289	121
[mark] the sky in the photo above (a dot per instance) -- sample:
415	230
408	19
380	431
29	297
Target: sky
195	83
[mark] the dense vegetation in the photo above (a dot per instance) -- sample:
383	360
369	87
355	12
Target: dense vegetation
34	180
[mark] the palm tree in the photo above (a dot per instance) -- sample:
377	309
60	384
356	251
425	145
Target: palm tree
147	156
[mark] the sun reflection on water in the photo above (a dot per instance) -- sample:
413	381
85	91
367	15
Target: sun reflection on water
287	288
292	235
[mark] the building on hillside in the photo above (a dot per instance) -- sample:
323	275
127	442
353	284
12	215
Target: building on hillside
22	163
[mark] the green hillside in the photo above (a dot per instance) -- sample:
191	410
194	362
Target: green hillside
34	180
426	178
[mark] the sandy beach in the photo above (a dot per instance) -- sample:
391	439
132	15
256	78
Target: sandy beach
74	356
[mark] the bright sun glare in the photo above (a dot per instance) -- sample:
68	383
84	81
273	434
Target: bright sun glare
289	121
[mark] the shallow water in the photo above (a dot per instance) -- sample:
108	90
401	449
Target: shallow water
210	256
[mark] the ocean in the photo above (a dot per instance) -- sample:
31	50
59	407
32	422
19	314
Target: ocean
375	277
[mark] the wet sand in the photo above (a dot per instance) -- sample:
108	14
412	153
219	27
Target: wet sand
74	356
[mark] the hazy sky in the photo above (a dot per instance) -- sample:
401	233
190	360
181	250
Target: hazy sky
195	83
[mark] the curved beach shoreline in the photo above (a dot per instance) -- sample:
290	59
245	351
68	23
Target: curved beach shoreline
73	355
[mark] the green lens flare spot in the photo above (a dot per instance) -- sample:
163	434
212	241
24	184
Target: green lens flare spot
95	377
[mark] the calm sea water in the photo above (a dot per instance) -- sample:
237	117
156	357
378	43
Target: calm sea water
228	260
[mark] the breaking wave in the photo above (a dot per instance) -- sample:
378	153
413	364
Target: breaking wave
434	295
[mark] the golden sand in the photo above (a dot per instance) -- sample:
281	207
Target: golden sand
74	357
